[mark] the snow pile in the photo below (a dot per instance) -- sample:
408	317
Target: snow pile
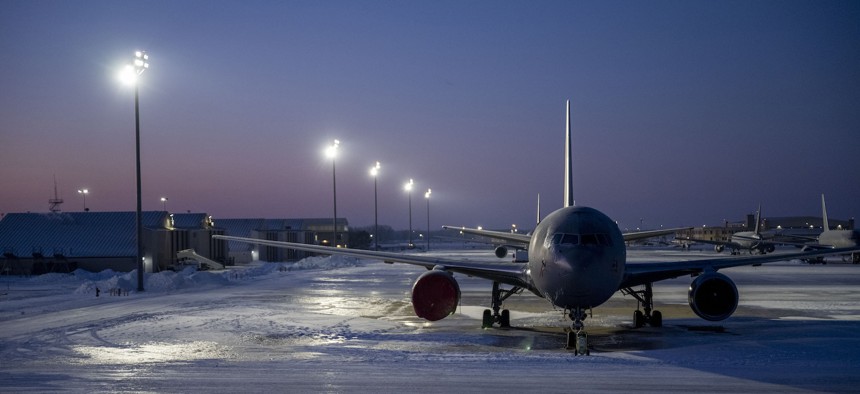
324	262
188	278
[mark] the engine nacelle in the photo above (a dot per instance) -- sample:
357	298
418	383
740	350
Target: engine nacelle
713	296
719	248
501	252
435	295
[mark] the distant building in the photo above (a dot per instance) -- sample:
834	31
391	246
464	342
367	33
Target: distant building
100	240
807	226
34	243
307	231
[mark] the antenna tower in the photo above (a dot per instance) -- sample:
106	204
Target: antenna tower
56	201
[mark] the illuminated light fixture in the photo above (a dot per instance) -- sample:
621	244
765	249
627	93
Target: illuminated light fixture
130	72
331	153
374	171
129	75
427	196
83	193
408	188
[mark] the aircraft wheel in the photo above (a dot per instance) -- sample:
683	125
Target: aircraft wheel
656	319
638	319
571	341
487	320
505	320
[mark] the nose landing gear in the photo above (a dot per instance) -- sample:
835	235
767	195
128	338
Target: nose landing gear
577	338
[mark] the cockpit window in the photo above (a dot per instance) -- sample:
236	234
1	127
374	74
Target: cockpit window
569	239
581	239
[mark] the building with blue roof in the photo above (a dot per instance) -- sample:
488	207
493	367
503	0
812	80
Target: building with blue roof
100	240
34	243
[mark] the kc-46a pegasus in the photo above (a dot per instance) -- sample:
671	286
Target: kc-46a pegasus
577	261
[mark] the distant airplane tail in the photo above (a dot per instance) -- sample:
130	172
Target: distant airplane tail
758	220
824	213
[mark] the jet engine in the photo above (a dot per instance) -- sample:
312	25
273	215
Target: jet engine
435	295
501	252
713	296
718	248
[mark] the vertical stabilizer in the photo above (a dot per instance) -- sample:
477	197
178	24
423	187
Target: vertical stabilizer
824	213
538	209
568	163
758	219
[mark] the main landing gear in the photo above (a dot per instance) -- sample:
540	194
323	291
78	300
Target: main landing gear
577	338
491	317
646	301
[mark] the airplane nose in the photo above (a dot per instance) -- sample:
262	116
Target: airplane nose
563	265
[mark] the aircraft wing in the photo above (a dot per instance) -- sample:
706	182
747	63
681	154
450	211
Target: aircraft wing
514	238
524	239
509	274
768	241
710	242
651	233
637	274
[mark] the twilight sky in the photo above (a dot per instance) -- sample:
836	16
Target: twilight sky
684	112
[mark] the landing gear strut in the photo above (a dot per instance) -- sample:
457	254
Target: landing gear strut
504	318
646	301
577	338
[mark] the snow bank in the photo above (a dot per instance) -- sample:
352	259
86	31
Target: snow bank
188	278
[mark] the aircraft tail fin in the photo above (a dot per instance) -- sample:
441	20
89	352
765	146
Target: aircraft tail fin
568	163
758	219
824	213
538	209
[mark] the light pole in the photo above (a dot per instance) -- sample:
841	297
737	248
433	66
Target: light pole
130	75
331	152
374	171
84	192
164	204
427	196
408	188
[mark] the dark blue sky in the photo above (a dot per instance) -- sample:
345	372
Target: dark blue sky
684	112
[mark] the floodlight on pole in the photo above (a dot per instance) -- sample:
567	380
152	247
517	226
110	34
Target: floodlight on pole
84	192
131	75
164	204
427	196
408	188
374	171
331	152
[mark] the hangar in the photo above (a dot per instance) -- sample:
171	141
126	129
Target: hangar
806	226
36	243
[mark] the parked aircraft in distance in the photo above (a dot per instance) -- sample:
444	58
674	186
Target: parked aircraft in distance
577	261
835	238
754	241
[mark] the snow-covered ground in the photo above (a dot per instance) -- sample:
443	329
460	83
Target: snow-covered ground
343	325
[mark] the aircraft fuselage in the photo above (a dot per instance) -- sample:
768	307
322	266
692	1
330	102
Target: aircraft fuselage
839	238
577	257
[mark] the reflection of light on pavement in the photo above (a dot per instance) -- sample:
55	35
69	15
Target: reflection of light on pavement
152	353
418	324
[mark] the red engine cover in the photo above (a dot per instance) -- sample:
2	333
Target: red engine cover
435	295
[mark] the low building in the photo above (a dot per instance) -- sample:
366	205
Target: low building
95	241
803	226
307	231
